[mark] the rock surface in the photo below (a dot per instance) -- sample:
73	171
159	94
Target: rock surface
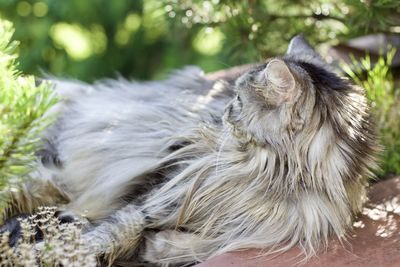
374	241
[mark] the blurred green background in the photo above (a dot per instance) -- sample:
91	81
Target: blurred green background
92	39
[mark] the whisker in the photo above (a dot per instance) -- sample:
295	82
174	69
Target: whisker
222	144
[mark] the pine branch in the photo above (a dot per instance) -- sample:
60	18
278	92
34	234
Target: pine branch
22	106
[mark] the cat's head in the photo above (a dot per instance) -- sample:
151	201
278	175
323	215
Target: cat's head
278	97
297	103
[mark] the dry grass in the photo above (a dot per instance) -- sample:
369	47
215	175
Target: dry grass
61	245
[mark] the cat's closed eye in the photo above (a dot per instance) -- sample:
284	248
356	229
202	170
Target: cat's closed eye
239	101
234	109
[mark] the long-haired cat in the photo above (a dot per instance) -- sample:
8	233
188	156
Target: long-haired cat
178	171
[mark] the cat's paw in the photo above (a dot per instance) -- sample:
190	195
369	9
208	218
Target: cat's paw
155	246
170	246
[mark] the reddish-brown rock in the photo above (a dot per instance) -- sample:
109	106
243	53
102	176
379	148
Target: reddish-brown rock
374	241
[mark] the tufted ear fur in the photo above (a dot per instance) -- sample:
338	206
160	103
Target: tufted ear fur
279	75
281	79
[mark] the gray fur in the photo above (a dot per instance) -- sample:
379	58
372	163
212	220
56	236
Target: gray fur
178	171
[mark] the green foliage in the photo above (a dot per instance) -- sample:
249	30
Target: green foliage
256	29
145	39
93	39
62	243
384	95
22	106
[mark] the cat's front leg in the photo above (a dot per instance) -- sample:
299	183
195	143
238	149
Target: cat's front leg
119	236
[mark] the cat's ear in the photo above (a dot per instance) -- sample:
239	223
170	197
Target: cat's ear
300	48
278	73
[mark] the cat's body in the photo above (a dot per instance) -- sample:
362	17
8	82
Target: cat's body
181	170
